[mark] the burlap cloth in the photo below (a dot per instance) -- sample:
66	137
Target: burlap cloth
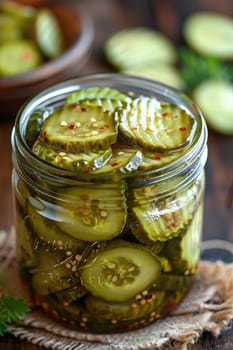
208	307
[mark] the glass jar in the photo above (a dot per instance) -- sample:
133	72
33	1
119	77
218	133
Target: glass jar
108	251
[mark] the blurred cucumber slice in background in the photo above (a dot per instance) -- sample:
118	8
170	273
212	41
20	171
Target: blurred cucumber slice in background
210	34
215	98
139	45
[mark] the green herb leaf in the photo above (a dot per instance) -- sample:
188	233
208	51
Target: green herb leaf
196	68
12	310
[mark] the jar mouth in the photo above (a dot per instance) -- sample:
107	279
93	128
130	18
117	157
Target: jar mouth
55	96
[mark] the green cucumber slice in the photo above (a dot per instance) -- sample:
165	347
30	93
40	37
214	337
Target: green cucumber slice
162	219
79	129
173	283
51	275
48	33
69	295
9	29
46	233
164	73
18	56
136	46
33	127
156	126
124	160
184	252
78	162
210	34
154	160
88	213
135	308
97	93
215	99
119	273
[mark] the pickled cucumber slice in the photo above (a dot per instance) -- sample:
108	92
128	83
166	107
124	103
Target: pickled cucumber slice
215	99
78	162
154	160
69	295
33	127
210	34
98	94
51	276
173	283
48	33
184	252
156	126
124	160
136	46
18	56
88	213
135	308
162	219
24	246
9	29
164	73
78	129
48	235
119	273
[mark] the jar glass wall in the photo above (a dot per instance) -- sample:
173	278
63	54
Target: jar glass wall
115	248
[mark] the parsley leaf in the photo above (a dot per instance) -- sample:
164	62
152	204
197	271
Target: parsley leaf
12	309
196	68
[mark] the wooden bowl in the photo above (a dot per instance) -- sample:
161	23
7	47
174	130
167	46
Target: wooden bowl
78	32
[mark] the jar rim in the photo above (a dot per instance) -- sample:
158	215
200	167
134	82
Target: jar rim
58	92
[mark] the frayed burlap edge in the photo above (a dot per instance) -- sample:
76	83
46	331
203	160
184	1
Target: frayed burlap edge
208	307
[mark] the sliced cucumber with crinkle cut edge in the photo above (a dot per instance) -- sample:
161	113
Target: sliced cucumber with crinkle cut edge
76	129
47	234
136	46
162	219
135	308
69	295
154	160
97	93
118	273
88	213
184	252
210	34
171	282
79	162
124	160
156	125
215	99
51	275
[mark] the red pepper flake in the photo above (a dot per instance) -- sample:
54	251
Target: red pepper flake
27	56
84	109
157	158
45	133
182	129
86	171
107	126
165	114
75	106
114	164
170	307
72	126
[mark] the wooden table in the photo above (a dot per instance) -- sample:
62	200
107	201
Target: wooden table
109	16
